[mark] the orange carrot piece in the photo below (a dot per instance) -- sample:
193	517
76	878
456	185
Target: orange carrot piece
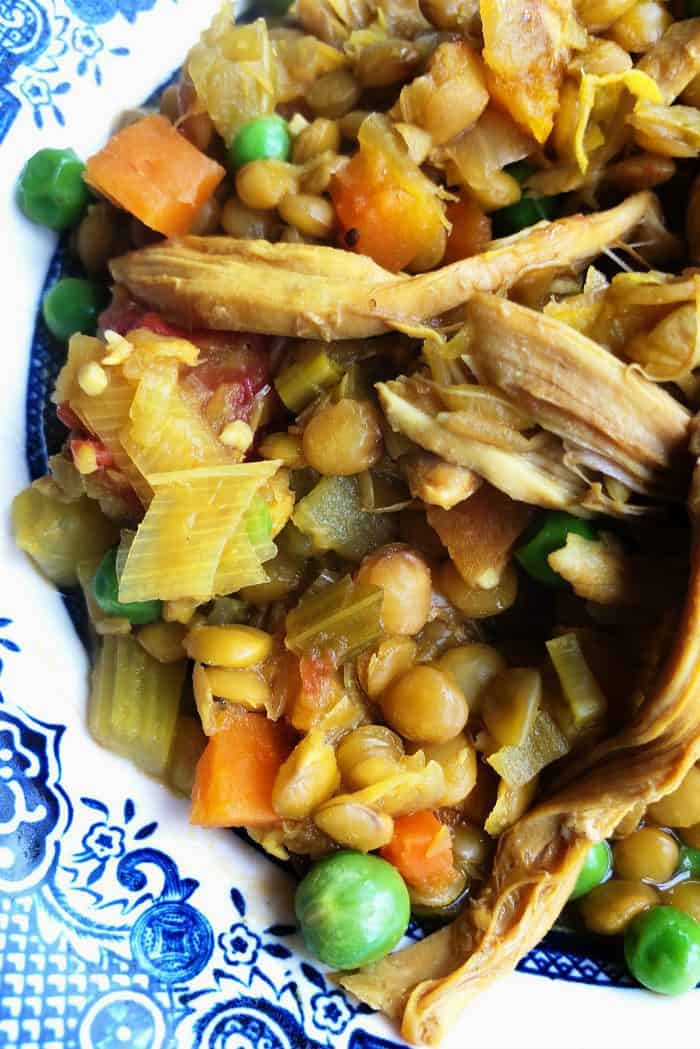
236	773
421	850
152	171
471	230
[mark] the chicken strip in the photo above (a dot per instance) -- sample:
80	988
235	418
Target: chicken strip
314	291
576	389
539	858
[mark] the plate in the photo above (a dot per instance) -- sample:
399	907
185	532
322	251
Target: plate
120	924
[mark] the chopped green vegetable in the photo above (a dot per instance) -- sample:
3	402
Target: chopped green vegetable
545	744
521	171
73	305
352	909
227	610
261	138
596	869
550	535
662	950
524	213
332	516
50	190
134	703
105	587
57	535
311	372
342	618
581	690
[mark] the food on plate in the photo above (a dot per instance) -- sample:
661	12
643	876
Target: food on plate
379	372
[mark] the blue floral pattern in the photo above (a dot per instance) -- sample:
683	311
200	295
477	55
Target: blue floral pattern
41	49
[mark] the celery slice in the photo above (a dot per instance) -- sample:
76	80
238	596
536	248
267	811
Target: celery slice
332	516
581	690
134	703
342	618
311	372
187	748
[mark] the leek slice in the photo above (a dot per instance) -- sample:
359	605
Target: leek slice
192	542
134	703
333	518
342	618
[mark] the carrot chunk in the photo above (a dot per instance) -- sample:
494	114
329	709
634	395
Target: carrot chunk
421	850
236	773
152	171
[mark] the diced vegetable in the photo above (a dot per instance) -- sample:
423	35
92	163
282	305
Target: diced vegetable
343	618
545	744
50	190
134	703
259	139
582	692
57	535
421	850
188	747
311	371
332	516
258	522
352	909
552	531
73	305
523	213
105	588
393	207
236	774
152	171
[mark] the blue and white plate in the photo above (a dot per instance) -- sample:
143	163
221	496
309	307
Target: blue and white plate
120	924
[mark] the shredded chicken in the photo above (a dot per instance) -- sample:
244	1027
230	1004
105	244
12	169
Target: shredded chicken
634	430
603	573
537	476
314	291
539	858
437	482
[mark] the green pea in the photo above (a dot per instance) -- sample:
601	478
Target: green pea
596	869
105	587
50	189
259	139
352	909
521	171
524	213
690	861
662	950
549	535
73	305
